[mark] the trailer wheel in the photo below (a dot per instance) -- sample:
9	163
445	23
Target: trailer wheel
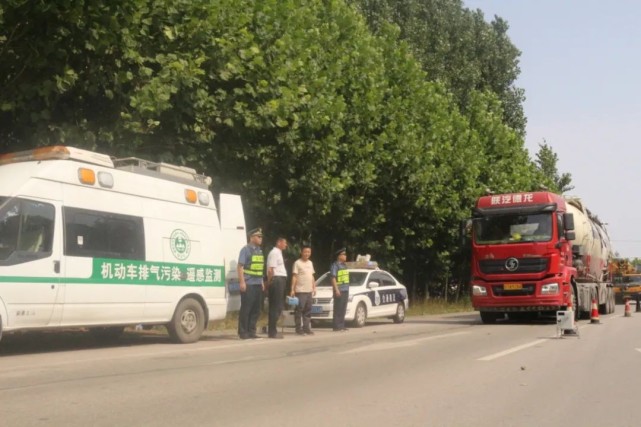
188	322
603	308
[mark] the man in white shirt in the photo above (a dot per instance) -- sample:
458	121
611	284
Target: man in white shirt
276	283
304	288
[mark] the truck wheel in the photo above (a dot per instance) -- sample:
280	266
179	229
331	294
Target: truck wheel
489	317
360	315
399	317
188	322
575	304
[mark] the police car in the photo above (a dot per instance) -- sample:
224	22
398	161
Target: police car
372	293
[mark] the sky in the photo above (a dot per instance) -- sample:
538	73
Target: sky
581	71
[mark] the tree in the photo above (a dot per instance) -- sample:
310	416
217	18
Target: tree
457	47
328	130
546	162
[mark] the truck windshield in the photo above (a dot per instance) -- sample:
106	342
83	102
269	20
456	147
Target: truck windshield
513	228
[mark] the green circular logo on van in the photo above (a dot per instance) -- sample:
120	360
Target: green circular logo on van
180	244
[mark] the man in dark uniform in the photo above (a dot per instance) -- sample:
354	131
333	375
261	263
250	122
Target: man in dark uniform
340	283
251	264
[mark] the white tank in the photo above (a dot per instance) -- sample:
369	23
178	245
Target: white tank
592	242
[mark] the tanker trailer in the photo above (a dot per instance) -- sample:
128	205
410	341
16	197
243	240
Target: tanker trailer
591	253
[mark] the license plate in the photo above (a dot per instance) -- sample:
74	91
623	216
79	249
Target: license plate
513	286
316	309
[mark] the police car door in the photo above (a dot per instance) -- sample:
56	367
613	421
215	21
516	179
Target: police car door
388	292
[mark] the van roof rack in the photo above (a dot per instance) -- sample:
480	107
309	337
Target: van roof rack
163	170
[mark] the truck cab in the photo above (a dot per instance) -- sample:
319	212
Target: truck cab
522	255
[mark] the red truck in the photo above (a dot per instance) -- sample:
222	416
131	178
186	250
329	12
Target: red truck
536	253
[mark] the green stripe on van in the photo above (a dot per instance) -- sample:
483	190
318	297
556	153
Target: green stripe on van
130	272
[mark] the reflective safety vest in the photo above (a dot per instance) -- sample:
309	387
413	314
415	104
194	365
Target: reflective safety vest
257	265
342	277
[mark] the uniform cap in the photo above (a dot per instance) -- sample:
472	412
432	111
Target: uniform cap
256	232
340	251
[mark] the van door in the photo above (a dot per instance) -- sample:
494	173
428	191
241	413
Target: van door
104	258
234	237
30	251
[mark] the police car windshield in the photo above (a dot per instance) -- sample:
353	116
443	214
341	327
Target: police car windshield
356	278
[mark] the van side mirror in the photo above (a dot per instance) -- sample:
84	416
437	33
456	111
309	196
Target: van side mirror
568	221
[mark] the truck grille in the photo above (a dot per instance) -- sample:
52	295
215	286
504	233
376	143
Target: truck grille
526	265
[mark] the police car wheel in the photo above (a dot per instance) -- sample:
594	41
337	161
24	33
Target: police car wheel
360	315
188	322
400	313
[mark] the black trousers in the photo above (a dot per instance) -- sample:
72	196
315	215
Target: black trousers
276	295
249	310
340	308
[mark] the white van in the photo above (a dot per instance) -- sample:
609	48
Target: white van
91	241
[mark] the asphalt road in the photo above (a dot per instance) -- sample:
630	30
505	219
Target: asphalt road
446	370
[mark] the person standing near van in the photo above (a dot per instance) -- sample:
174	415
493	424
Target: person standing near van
251	264
340	283
304	288
276	282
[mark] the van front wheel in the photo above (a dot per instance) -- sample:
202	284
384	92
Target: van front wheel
188	322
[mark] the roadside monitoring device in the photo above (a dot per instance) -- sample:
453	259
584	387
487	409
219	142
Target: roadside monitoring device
565	325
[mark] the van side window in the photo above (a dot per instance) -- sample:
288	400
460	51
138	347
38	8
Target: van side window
97	234
26	230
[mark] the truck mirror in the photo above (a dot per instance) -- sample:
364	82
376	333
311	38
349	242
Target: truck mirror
568	221
570	235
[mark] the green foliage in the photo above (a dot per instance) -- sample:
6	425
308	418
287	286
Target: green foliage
335	134
457	47
546	162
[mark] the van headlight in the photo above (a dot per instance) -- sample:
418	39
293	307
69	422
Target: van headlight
479	291
550	289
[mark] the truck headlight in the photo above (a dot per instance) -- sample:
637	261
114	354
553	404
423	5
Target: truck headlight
550	289
479	291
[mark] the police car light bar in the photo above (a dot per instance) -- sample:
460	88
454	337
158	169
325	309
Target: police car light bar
370	265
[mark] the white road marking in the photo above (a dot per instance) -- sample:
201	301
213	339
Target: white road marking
512	350
399	344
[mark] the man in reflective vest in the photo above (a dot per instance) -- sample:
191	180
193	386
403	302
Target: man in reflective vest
340	283
251	264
